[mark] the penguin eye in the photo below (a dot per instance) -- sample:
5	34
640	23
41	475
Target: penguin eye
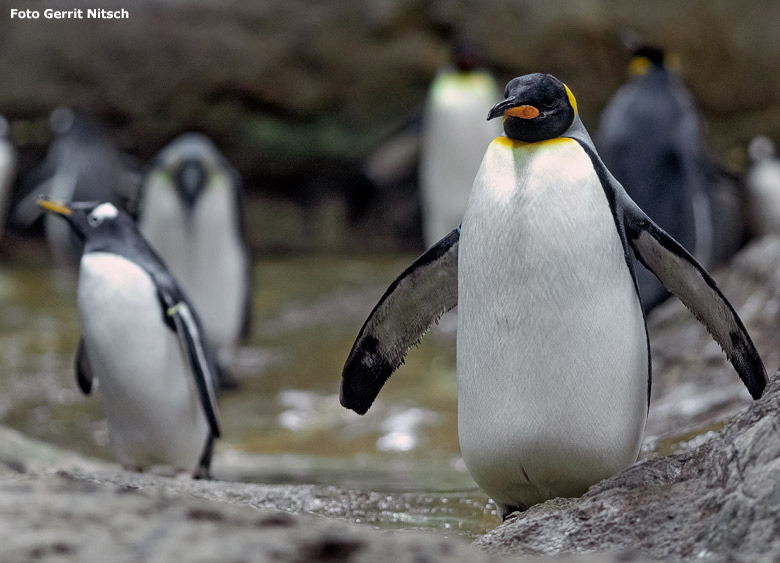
548	103
94	220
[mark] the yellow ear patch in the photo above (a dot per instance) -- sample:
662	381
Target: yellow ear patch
572	99
638	66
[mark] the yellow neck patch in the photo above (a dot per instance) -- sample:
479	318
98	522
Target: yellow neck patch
638	66
512	144
572	100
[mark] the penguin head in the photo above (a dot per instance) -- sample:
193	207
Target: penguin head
536	107
92	220
645	58
190	178
188	162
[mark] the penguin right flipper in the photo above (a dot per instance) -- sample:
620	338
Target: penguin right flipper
84	375
414	301
684	277
191	337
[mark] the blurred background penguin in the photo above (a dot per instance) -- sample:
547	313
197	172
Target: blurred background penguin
191	213
454	137
7	171
82	164
651	138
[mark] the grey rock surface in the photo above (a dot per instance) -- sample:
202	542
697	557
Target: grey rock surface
89	511
720	501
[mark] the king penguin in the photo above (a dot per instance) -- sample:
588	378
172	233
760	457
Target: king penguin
553	363
142	340
650	138
454	138
191	214
82	164
7	170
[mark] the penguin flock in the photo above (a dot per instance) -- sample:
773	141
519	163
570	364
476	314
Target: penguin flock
552	262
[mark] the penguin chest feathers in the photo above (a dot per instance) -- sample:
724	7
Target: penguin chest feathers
552	352
145	380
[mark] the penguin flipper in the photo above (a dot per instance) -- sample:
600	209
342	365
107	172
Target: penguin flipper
682	275
84	375
414	301
189	333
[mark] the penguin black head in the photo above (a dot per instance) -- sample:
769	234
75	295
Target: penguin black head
644	58
536	107
95	223
190	179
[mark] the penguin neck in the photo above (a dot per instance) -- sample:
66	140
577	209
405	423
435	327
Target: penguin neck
514	144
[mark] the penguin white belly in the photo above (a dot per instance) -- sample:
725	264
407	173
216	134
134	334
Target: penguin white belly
552	354
162	222
763	182
455	137
150	398
218	281
203	252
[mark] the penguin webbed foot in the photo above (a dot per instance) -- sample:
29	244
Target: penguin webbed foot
512	511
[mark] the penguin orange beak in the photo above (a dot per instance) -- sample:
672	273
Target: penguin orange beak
54	206
509	108
523	112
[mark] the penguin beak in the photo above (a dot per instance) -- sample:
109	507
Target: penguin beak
512	107
54	206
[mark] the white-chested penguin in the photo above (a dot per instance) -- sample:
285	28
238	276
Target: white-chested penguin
454	138
142	340
7	170
191	214
650	138
763	185
82	164
552	359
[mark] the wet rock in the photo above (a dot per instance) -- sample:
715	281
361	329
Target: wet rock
694	388
81	510
717	502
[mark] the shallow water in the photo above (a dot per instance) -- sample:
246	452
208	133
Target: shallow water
284	424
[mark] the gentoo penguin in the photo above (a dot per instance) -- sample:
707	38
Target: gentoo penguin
7	170
142	340
82	164
650	138
454	138
763	184
553	363
191	214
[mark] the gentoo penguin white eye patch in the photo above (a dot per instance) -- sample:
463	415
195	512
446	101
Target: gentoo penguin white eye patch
101	213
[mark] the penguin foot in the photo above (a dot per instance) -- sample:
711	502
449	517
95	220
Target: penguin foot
184	475
512	511
133	468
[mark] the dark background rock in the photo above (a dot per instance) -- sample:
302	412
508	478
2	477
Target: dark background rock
299	94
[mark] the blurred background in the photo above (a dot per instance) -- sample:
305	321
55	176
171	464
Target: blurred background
318	106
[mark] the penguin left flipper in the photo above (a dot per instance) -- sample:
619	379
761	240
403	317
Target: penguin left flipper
84	375
190	335
414	301
684	277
